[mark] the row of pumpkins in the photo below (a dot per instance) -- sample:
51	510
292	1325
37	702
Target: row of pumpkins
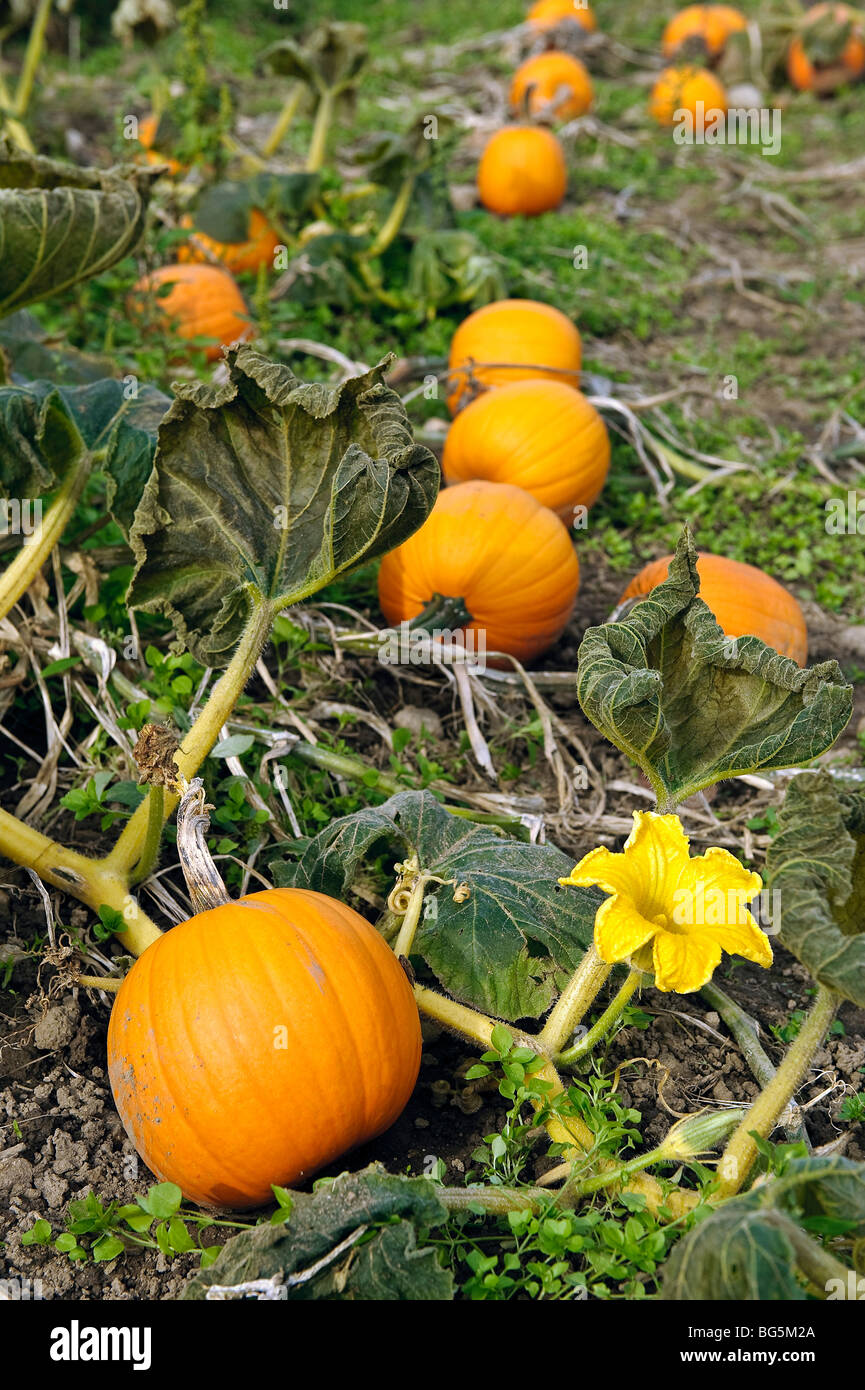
212	1094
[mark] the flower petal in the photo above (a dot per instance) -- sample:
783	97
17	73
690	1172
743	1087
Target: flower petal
684	962
717	868
740	939
601	868
658	846
620	929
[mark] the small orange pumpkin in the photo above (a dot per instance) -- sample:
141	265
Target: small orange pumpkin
147	128
237	256
521	336
539	435
522	171
546	14
495	547
702	29
203	302
681	89
744	600
552	83
829	50
258	1041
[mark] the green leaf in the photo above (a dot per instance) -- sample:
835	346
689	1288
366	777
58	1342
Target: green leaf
739	1253
331	58
223	210
233	746
753	1248
503	947
179	1237
29	352
689	706
48	432
816	863
60	224
266	489
107	1247
39	1233
384	1269
162	1200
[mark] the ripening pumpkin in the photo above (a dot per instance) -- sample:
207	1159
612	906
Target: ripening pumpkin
542	436
258	1041
546	14
237	256
552	84
680	89
828	51
147	128
203	302
522	171
523	337
744	600
495	547
702	28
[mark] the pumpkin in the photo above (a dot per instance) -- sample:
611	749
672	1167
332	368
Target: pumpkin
702	29
554	84
495	547
147	130
744	600
829	50
203	302
546	14
237	256
258	1041
542	436
522	337
681	89
522	171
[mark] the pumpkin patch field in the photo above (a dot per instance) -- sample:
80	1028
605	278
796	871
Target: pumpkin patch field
432	656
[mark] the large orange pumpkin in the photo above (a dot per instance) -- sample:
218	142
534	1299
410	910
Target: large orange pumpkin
702	28
681	89
522	171
552	83
744	600
237	256
203	302
546	14
259	1041
539	435
495	547
520	339
829	50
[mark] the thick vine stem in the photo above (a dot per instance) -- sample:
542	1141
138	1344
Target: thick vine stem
574	1000
739	1155
90	880
203	880
205	732
599	1030
21	572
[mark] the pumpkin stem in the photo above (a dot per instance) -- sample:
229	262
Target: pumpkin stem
206	888
444	611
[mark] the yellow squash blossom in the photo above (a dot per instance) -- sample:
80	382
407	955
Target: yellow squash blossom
670	914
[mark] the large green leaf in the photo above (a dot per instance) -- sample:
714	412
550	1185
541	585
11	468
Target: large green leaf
264	489
48	431
28	352
753	1248
510	943
816	863
223	209
690	706
331	58
386	1268
60	224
